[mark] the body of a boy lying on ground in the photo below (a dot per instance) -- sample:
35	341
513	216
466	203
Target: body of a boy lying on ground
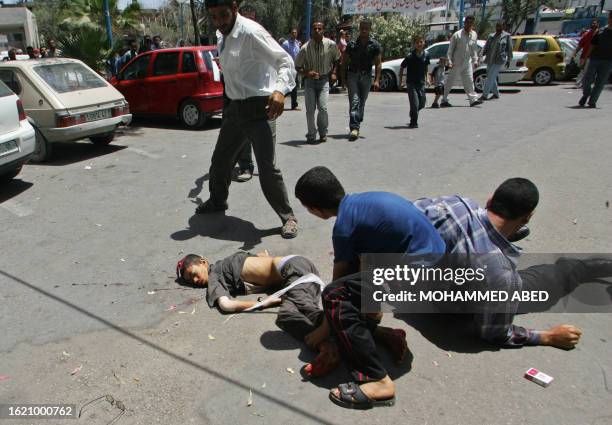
300	312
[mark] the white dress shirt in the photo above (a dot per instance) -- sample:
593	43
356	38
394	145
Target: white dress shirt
253	63
463	48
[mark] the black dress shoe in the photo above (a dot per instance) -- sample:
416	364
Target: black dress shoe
208	207
520	234
598	267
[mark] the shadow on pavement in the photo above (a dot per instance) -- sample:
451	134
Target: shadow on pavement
447	331
65	153
278	340
226	228
278	401
199	185
12	188
170	123
397	127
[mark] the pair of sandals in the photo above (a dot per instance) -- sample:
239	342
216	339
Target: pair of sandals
352	397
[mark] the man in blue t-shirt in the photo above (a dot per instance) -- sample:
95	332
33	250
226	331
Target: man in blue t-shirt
371	222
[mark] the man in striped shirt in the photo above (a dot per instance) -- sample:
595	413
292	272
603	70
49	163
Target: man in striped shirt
317	62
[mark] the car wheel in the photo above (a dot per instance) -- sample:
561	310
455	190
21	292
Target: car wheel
387	81
11	174
480	80
102	139
543	77
42	149
190	115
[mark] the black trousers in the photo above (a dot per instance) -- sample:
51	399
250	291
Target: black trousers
300	312
353	331
294	97
416	96
248	120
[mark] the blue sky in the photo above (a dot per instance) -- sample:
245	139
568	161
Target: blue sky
147	4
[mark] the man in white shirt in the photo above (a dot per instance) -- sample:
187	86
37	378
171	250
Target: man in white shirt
258	75
462	59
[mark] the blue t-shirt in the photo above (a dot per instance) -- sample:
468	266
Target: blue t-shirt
381	222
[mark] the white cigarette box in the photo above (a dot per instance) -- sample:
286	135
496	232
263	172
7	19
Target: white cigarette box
538	377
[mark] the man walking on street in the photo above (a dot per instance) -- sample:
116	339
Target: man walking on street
258	75
498	53
317	62
585	45
600	65
359	57
462	59
292	46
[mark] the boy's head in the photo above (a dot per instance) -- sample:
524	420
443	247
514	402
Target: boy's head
193	269
418	41
320	192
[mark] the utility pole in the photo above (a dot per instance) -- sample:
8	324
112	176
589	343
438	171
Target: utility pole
109	28
484	9
194	19
181	13
308	18
461	13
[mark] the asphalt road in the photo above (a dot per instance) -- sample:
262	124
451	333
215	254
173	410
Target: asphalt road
89	242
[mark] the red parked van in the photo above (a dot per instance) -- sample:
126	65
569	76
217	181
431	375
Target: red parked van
183	82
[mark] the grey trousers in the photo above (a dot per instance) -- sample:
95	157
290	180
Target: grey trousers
358	90
416	96
300	312
316	94
247	120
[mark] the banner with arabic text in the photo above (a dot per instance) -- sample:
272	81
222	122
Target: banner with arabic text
363	7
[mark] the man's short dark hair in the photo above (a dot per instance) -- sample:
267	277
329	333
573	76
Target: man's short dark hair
515	198
366	22
469	18
247	9
319	188
215	3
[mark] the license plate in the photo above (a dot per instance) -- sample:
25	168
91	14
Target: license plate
9	147
98	115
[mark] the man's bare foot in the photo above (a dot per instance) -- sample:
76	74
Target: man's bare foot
562	336
327	360
378	390
318	336
394	340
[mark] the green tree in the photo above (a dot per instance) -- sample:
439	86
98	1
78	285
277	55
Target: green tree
515	12
395	33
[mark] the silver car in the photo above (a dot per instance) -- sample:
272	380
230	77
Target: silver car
518	68
65	100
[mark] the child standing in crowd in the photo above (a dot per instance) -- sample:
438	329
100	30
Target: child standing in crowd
437	77
415	64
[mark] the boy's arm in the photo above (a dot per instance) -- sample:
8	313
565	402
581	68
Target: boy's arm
229	305
341	269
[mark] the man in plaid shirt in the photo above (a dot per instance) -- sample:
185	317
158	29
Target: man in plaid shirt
481	236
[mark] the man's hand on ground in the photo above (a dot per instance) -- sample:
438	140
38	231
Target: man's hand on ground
562	336
276	105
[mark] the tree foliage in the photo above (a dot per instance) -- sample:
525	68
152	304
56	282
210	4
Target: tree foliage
515	12
395	33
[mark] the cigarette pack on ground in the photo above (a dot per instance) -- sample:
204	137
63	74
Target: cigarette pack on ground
538	377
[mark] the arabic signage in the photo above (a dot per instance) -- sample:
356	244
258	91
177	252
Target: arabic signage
362	7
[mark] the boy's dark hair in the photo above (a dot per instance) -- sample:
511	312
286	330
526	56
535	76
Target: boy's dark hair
183	265
469	18
319	188
366	22
515	198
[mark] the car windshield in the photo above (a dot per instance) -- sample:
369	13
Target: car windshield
67	77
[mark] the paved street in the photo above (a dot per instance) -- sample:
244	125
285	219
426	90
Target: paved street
90	240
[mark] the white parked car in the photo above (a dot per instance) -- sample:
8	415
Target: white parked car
17	138
65	100
517	70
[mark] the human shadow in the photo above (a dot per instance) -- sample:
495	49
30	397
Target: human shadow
171	123
296	143
449	332
65	153
226	228
199	184
12	188
279	341
397	127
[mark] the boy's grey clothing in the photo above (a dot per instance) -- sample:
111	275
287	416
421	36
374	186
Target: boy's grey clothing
498	49
439	74
316	95
299	313
247	120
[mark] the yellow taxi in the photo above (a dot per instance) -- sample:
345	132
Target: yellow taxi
545	58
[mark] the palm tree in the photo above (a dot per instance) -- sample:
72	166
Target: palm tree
90	13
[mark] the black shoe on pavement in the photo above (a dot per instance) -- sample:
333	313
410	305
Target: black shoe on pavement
445	105
495	96
520	234
476	102
592	106
582	101
435	105
598	267
413	125
483	99
208	208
